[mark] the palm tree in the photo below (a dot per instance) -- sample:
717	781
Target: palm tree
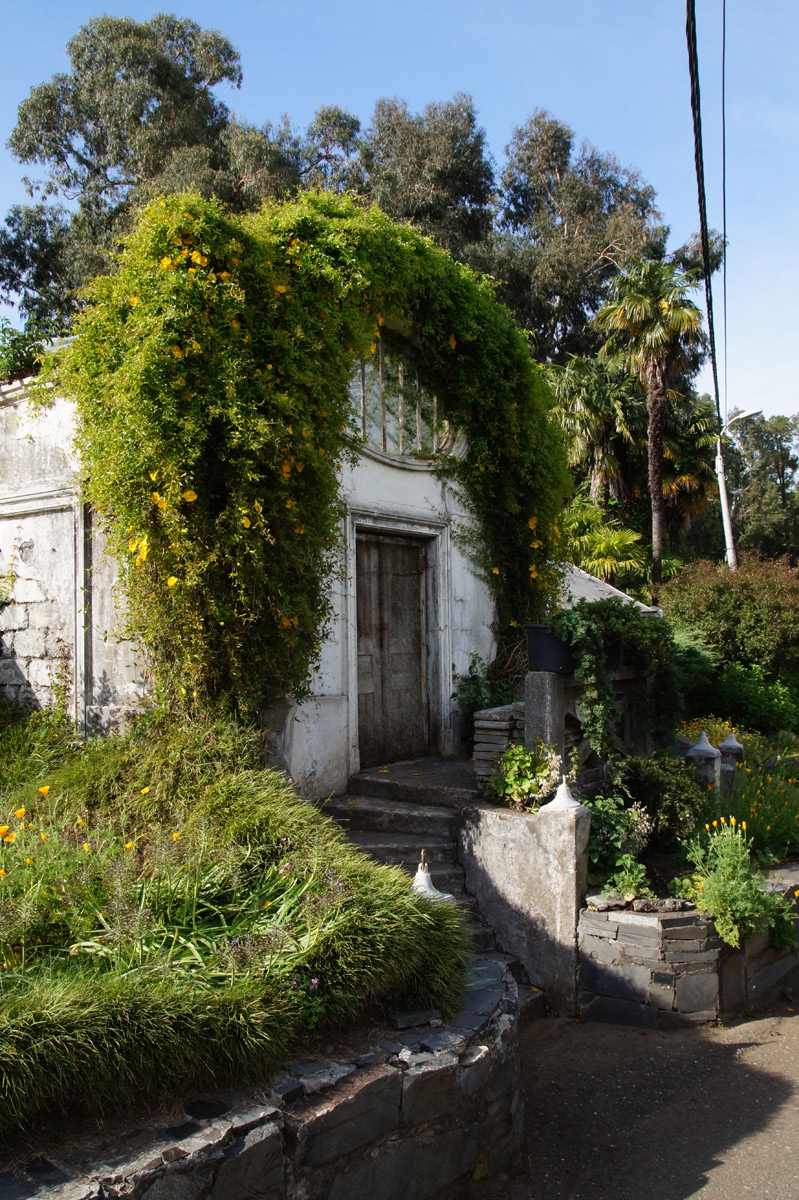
653	322
598	407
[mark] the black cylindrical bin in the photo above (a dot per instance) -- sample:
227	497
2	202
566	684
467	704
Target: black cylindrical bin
545	652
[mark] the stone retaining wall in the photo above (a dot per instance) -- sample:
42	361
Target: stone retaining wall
660	968
434	1114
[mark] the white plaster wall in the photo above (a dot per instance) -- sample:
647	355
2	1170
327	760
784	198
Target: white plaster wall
62	622
64	608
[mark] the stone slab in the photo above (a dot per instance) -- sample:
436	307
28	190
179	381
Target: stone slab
361	1109
615	1011
697	992
253	1169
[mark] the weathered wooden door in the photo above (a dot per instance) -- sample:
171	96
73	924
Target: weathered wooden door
393	719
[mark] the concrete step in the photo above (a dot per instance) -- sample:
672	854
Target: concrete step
362	812
405	848
437	782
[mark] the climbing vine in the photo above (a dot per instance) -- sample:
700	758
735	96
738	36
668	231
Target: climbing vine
210	373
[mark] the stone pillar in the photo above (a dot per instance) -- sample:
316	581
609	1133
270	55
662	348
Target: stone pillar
528	874
544	709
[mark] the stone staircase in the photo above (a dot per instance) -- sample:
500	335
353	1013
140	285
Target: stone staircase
393	813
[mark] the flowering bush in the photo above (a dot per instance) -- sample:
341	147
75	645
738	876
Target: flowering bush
729	887
211	379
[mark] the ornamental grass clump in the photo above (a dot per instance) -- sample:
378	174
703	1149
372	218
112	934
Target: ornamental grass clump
165	900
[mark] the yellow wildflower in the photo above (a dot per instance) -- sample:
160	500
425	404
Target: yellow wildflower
175	836
171	581
10	837
495	570
2	876
166	263
133	301
45	789
178	353
189	496
19	814
246	522
43	836
3	830
86	847
29	861
128	845
144	791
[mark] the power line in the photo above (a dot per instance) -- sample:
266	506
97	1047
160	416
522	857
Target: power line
693	65
724	188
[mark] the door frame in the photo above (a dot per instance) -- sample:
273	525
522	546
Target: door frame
436	536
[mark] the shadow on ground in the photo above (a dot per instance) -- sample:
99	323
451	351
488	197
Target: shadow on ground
615	1113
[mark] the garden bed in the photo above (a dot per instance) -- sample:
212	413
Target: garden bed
164	900
669	966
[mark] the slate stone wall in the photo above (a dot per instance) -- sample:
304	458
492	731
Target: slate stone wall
436	1114
663	968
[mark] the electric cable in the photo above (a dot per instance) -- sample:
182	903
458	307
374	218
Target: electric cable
693	65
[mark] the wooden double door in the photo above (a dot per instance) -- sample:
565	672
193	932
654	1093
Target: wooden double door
393	703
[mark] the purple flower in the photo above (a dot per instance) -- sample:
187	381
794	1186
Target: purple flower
314	984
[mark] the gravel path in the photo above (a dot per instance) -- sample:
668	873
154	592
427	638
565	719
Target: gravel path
615	1113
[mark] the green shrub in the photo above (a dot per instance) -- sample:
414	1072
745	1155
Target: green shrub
695	670
476	690
525	778
667	789
749	616
619	831
750	698
729	887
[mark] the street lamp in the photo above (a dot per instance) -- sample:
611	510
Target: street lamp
732	561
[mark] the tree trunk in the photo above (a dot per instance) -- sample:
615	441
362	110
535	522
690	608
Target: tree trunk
656	399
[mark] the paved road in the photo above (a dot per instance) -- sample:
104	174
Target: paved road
615	1113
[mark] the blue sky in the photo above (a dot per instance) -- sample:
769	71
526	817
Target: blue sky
615	70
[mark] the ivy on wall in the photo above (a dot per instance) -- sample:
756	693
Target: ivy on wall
210	374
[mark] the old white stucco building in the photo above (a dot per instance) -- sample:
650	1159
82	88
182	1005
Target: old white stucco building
409	606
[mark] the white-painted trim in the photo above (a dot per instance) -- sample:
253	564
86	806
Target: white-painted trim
38	502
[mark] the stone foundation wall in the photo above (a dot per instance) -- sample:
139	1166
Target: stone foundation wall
660	968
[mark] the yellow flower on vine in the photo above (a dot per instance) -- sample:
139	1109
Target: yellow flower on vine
246	522
178	353
532	522
166	263
452	341
189	496
133	301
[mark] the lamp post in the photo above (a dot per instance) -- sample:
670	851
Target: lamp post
732	561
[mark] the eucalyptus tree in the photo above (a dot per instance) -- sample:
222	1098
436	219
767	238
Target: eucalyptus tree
653	324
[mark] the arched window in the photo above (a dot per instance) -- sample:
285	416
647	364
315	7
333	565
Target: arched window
398	415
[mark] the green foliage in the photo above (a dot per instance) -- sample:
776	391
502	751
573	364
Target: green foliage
628	881
729	888
667	789
695	670
592	629
527	777
478	689
211	373
750	698
598	543
749	616
619	831
213	919
20	350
